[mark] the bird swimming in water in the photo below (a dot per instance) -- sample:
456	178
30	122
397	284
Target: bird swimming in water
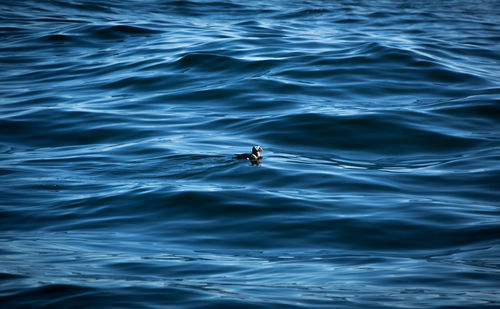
254	156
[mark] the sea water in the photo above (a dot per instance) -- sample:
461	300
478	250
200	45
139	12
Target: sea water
378	186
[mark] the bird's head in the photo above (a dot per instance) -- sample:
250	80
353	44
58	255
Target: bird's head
256	150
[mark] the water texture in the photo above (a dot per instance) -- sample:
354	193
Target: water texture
379	182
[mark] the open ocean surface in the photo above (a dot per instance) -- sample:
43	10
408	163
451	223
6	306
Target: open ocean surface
379	186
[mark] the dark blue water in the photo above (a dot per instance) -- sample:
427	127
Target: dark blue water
378	187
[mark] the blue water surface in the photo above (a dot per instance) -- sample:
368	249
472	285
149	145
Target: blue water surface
379	182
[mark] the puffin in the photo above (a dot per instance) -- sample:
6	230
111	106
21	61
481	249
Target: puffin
254	156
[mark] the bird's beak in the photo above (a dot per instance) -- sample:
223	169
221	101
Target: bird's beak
260	149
